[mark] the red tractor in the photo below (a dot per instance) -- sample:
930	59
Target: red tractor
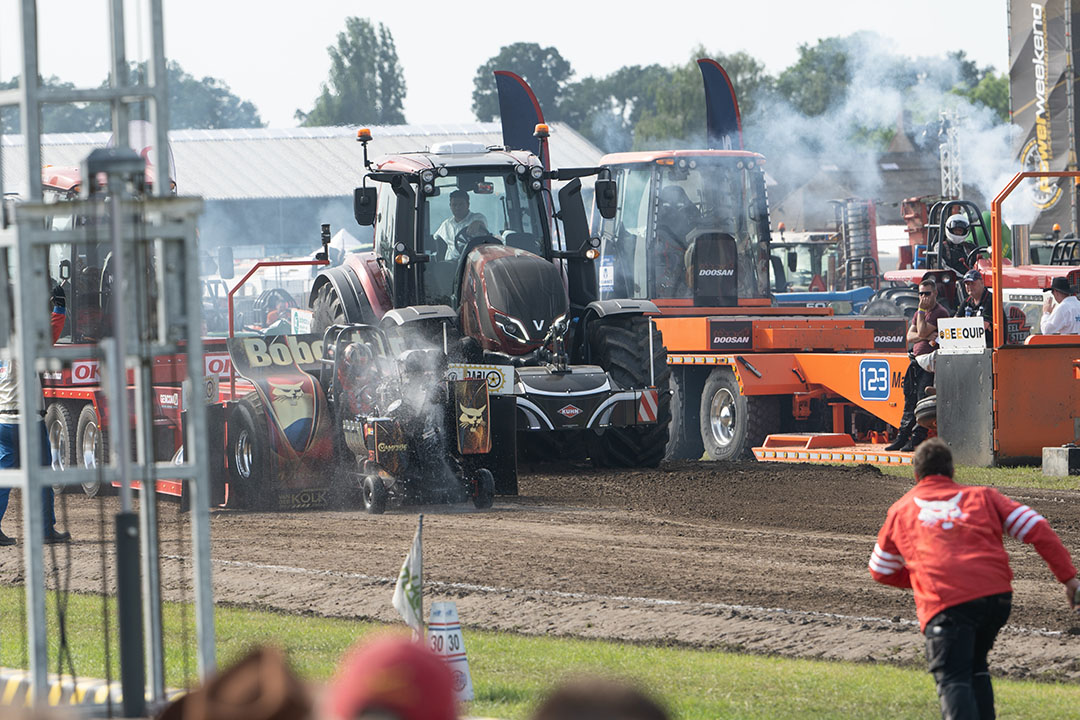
468	257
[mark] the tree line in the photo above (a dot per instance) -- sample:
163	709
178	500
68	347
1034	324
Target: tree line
635	106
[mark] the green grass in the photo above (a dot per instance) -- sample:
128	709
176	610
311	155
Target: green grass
511	673
1026	477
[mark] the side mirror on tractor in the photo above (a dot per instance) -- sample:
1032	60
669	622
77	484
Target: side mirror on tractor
607	195
364	199
792	260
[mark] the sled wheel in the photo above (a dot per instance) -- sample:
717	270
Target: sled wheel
732	423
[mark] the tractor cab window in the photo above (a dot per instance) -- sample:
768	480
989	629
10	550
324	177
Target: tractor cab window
802	262
80	271
385	221
469	209
671	208
624	249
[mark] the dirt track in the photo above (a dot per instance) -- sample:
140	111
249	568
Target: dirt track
762	558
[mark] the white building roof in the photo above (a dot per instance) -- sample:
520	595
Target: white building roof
282	163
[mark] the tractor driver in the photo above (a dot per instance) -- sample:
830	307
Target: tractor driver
676	217
462	225
960	245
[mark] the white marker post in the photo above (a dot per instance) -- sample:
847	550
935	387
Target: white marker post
444	637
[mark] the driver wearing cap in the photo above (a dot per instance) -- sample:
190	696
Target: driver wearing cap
978	302
1061	310
461	226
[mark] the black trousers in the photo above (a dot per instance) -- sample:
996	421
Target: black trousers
958	640
916	380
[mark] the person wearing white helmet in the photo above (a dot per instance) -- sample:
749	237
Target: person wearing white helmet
957	243
956	229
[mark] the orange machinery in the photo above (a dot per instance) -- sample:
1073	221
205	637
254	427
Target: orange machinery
1004	405
691	233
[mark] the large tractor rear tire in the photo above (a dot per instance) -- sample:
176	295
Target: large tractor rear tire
732	424
685	430
250	468
327	309
620	345
893	302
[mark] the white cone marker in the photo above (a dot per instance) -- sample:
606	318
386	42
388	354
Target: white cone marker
444	637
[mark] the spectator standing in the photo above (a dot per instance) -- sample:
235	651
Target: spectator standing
1061	310
9	429
944	540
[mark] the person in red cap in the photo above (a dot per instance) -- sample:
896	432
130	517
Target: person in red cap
944	540
392	678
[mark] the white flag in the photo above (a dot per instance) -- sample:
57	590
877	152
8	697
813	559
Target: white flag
408	598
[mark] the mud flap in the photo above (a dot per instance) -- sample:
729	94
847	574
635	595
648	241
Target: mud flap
472	409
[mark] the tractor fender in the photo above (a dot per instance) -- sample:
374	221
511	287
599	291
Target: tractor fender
599	309
604	308
347	287
360	284
418	313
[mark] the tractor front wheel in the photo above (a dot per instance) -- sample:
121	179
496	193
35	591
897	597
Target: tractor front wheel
620	345
327	309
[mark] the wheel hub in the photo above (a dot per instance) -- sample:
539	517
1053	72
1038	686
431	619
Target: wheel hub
243	454
89	446
58	445
722	417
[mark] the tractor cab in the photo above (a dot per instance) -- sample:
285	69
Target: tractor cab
471	228
462	201
691	228
805	262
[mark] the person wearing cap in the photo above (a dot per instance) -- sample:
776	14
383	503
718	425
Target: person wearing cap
944	541
978	302
1061	310
392	678
456	230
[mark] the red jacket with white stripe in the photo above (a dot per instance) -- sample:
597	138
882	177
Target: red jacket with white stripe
944	540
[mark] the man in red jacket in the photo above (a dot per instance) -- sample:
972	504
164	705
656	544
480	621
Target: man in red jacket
944	540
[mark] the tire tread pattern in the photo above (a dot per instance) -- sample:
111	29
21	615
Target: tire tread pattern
620	345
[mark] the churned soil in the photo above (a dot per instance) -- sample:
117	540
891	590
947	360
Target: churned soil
763	558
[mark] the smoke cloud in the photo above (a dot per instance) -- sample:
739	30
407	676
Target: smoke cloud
886	93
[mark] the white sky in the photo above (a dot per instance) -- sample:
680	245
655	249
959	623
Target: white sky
274	53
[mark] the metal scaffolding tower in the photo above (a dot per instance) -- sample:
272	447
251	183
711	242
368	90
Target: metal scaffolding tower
952	180
157	312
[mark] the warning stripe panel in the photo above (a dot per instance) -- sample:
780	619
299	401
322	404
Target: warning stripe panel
62	691
648	401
